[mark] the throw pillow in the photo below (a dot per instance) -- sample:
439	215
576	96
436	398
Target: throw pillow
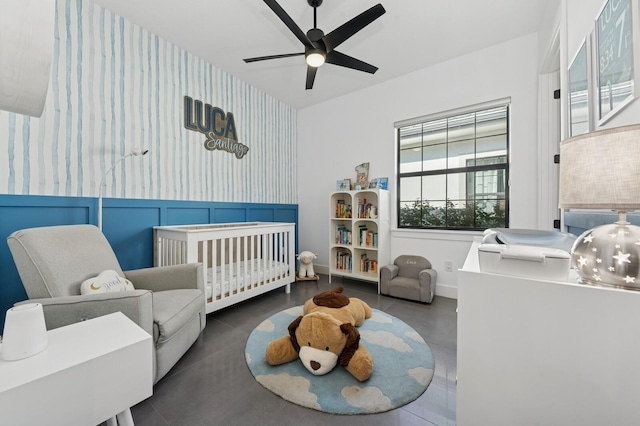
106	282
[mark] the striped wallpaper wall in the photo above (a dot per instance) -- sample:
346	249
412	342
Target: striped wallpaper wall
114	87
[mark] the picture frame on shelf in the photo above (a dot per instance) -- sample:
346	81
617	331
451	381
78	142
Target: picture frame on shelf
373	183
343	185
614	65
362	175
383	182
350	184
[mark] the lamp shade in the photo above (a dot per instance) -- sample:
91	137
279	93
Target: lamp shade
25	332
26	47
601	170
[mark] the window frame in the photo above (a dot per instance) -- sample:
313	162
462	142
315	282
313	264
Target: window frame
446	171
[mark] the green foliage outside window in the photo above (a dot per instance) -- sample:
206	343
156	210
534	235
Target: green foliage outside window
476	215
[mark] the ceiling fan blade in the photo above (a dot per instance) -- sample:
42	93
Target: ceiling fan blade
337	58
311	76
264	58
284	17
346	30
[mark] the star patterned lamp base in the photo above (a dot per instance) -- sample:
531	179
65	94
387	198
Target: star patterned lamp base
609	255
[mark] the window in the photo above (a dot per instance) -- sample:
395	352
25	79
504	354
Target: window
453	171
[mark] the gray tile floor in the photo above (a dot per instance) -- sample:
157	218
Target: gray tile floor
212	385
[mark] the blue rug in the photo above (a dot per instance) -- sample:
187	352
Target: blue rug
403	368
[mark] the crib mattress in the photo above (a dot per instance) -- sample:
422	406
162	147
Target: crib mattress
257	271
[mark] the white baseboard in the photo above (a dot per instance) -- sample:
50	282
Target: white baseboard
447	290
322	269
444	290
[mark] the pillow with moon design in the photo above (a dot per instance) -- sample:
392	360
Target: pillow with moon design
107	281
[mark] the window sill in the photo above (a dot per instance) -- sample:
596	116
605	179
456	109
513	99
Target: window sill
436	234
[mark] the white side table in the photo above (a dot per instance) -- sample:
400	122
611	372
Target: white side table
89	372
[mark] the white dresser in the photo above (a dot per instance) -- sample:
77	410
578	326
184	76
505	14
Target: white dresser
533	352
89	372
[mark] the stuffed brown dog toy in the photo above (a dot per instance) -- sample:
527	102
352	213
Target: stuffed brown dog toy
326	334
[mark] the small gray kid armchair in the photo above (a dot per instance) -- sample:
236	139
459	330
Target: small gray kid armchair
410	277
168	302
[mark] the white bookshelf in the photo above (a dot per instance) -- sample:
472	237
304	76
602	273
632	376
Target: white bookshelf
359	234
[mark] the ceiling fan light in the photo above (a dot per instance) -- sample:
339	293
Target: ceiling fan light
315	58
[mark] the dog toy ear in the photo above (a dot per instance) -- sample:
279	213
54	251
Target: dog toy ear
286	348
353	342
292	333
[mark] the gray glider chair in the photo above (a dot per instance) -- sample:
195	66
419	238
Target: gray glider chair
410	277
168	302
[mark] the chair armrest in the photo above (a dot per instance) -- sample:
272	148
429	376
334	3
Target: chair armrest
137	305
387	273
185	276
427	276
391	270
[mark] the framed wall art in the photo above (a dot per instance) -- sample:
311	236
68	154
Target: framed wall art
614	57
579	82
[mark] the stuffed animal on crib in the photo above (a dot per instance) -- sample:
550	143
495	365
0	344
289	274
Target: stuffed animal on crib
306	264
326	335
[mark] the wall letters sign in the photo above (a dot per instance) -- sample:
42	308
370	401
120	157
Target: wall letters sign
218	127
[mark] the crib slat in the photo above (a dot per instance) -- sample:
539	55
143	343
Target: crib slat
252	248
245	257
238	276
213	268
223	272
204	247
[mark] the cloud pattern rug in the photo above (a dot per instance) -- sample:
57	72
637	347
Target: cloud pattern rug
403	369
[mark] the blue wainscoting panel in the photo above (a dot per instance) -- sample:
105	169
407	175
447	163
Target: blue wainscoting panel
127	224
230	214
261	215
289	215
188	216
128	228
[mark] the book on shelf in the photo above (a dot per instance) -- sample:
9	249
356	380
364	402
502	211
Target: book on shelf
343	260
343	210
362	230
368	265
365	210
340	208
343	235
367	237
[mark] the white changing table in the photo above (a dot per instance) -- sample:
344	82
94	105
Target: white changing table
535	352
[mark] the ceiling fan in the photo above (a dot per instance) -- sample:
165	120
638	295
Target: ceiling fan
319	48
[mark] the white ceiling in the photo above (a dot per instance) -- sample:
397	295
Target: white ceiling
411	35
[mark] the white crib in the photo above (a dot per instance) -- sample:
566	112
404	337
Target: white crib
241	260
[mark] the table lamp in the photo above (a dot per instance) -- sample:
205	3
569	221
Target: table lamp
601	170
25	332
